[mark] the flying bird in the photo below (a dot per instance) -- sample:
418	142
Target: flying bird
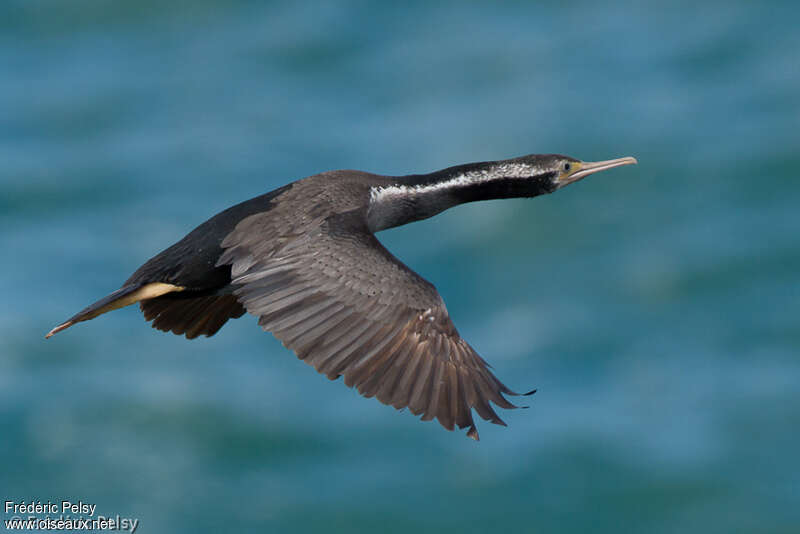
304	259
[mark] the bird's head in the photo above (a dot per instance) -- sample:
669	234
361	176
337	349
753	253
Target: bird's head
546	173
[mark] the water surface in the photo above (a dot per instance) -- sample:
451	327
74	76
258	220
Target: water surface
654	307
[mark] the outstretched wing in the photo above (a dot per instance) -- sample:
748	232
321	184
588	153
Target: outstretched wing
337	298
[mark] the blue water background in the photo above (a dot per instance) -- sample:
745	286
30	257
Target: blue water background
656	308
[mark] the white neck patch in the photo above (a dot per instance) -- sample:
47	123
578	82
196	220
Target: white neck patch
378	195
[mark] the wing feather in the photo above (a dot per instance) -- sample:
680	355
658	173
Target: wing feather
336	297
192	316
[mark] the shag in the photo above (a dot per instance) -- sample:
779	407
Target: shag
304	259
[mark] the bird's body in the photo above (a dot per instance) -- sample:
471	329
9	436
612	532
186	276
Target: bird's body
305	260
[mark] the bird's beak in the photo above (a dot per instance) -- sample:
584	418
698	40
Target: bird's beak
583	169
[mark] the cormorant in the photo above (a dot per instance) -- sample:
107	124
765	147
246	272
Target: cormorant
304	259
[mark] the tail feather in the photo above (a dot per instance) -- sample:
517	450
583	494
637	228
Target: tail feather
124	296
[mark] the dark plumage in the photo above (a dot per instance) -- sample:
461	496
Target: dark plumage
304	259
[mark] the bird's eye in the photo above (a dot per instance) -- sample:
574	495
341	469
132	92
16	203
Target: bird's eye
567	167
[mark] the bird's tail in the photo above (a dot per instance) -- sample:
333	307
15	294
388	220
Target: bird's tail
124	296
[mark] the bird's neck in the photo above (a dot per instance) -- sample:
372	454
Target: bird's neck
412	198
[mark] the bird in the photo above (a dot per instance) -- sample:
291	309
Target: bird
305	260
